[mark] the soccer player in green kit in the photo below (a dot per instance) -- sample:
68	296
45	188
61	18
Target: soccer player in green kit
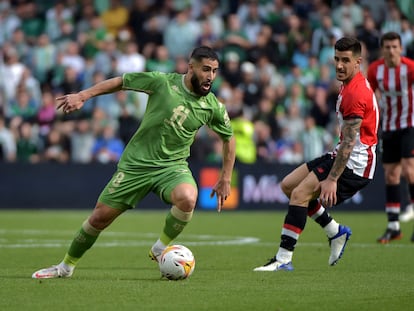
155	159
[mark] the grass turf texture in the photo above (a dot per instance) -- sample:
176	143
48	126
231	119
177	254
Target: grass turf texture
116	273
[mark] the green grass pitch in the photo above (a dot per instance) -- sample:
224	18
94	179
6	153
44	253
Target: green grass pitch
116	273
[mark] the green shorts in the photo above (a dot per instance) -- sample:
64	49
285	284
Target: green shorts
126	189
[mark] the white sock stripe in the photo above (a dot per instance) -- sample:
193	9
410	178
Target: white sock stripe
290	233
394	210
318	213
179	214
89	229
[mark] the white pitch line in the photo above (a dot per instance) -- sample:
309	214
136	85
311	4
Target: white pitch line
27	240
244	241
142	239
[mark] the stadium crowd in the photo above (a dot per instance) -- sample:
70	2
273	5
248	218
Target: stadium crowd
277	77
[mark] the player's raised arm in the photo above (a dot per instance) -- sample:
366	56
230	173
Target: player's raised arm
73	102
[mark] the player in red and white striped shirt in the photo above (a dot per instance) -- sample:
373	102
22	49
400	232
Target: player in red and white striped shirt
392	77
338	175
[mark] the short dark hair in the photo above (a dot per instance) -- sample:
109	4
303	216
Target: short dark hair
349	44
388	36
202	52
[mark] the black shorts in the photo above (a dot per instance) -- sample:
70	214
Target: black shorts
397	145
348	183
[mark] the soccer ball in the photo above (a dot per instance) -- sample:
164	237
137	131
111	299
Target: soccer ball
176	262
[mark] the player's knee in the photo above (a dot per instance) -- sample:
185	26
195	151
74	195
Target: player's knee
299	197
98	222
185	200
284	185
187	203
392	179
408	171
185	195
102	216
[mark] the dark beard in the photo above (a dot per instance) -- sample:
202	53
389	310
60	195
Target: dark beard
197	87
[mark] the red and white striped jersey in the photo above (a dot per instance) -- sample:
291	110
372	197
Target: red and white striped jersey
397	92
357	100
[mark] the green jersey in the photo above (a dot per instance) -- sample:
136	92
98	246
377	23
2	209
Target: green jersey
172	118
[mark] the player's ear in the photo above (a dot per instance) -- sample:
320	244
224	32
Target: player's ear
190	66
358	62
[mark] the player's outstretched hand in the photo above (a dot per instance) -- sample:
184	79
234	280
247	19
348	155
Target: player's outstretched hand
222	191
69	102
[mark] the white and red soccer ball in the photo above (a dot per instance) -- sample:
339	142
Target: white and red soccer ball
177	262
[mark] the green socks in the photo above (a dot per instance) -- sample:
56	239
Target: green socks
175	223
83	241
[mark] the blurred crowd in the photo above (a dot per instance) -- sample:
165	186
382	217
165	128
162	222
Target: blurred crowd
277	77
